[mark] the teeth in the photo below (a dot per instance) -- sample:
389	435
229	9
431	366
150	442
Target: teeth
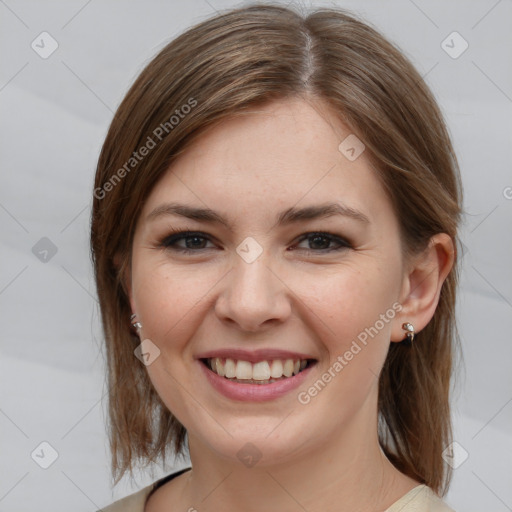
220	367
288	368
261	371
243	370
230	369
276	370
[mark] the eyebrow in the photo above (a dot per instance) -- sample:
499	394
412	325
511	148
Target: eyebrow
289	216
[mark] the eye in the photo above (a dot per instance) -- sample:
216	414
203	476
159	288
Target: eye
194	241
321	242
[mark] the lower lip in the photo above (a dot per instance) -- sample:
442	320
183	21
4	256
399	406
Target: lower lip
254	392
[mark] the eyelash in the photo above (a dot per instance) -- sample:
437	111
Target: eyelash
176	234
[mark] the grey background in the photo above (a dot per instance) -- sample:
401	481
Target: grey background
54	116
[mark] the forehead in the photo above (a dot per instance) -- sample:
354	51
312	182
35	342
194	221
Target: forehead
282	154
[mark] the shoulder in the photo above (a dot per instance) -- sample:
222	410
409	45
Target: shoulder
420	499
133	503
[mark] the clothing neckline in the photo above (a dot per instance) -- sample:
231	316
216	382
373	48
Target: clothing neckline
408	497
411	494
164	480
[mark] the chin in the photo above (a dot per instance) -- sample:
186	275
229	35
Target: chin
254	440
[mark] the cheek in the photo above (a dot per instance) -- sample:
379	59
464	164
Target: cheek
353	314
349	299
168	299
352	318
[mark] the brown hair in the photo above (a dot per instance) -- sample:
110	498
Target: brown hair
220	68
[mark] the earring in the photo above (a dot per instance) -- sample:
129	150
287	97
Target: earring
409	336
135	324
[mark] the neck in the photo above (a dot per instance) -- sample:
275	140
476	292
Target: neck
346	471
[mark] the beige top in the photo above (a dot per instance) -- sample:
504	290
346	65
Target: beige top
419	499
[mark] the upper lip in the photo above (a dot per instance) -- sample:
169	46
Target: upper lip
253	356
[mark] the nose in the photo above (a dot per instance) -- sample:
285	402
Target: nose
254	296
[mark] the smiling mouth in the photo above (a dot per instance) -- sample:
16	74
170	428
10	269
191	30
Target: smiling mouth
262	372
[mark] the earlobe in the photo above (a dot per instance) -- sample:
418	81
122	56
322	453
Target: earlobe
423	283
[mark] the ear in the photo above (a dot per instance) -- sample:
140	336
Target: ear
422	285
123	268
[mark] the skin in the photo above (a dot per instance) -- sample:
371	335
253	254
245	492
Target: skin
324	455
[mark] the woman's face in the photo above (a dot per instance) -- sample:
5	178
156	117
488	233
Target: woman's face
262	288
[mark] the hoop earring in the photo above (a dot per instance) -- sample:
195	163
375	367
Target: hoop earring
135	324
409	335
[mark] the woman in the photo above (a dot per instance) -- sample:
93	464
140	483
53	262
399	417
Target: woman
274	237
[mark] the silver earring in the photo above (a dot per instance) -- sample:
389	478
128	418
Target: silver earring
135	324
409	335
